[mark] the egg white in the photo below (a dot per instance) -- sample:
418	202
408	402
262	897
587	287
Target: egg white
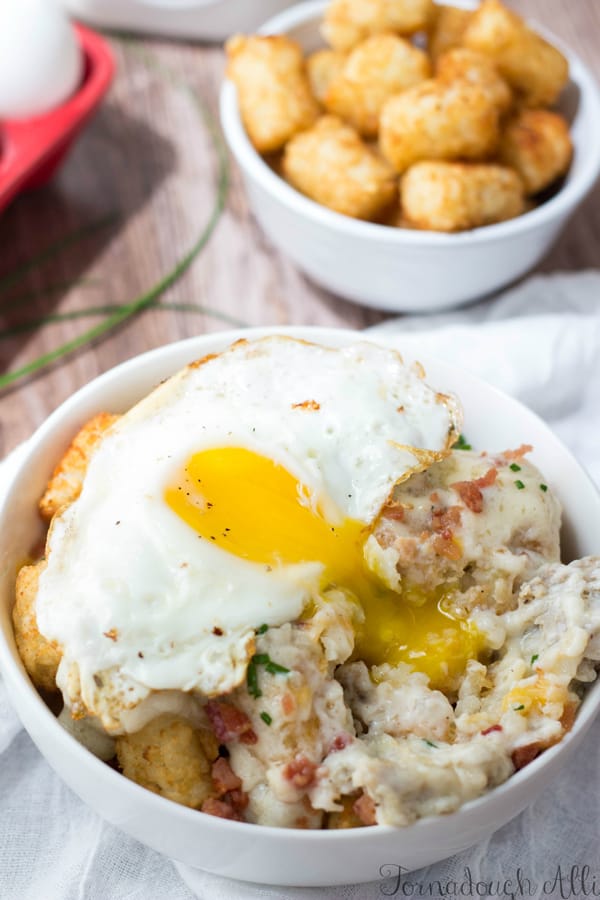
135	598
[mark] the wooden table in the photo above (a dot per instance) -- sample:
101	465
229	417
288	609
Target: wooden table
134	196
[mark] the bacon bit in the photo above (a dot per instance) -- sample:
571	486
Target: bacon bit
217	631
492	728
445	545
237	799
435	497
470	491
229	723
519	453
288	704
112	635
224	778
400	409
301	772
365	809
393	511
339	742
443	519
221	809
488	479
307	404
522	756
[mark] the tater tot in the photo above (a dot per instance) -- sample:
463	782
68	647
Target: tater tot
322	67
330	164
273	90
436	120
168	757
475	67
441	196
446	29
535	70
348	22
67	479
378	68
537	144
40	657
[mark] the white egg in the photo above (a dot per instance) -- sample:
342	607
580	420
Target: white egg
234	494
41	63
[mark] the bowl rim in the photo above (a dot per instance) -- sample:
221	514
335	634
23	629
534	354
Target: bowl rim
561	204
14	672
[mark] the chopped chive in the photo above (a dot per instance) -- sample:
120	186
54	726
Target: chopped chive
430	743
462	443
544	487
274	668
519	707
534	658
252	680
519	484
263	629
266	718
515	468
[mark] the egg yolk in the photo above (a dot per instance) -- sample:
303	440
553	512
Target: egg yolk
255	509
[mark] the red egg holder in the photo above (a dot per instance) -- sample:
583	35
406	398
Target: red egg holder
32	150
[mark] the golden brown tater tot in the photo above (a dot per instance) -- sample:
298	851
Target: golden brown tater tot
434	120
441	196
168	756
40	657
348	22
475	67
538	145
273	90
330	164
535	70
378	68
67	479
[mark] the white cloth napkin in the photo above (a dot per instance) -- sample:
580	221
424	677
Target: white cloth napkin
540	342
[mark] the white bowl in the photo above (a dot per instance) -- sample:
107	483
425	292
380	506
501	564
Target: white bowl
207	20
400	269
251	852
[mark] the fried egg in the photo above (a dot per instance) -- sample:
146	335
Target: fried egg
232	497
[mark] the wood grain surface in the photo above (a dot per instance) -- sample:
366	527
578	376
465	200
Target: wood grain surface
135	194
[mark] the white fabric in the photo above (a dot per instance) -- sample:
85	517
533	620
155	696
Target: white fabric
541	342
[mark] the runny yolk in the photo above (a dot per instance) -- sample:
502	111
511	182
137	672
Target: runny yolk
255	509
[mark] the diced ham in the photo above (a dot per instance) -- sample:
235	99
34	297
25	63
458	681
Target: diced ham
229	723
288	704
470	492
393	511
237	799
444	519
445	545
224	778
301	772
221	809
366	810
491	729
340	742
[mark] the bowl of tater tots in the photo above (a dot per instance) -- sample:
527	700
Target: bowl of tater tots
410	155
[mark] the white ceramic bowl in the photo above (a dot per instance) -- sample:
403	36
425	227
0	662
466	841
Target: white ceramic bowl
249	852
400	269
207	20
